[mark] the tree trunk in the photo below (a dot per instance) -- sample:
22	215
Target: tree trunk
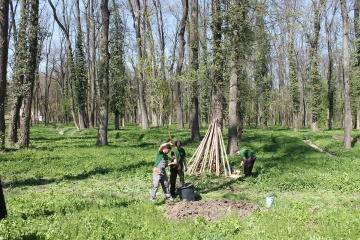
194	65
25	118
294	83
178	95
346	70
218	81
104	74
330	77
19	72
233	121
4	46
314	71
233	91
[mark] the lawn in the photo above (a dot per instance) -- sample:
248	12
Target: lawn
65	187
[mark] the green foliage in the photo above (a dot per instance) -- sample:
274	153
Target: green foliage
64	187
117	67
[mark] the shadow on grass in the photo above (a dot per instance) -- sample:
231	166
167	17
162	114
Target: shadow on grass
29	182
216	186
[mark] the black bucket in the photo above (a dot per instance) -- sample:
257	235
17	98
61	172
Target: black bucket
186	192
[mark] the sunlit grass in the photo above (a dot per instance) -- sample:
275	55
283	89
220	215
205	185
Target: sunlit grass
65	187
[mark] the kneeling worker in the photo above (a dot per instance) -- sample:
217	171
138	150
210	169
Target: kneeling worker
248	160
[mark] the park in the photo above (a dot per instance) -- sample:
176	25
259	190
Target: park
65	187
91	90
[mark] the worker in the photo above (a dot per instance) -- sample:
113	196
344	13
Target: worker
179	166
159	173
248	160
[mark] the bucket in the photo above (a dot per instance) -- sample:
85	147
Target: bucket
186	192
268	201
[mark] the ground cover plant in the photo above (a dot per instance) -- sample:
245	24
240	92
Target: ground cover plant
64	187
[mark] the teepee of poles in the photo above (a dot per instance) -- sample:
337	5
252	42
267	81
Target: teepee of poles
211	155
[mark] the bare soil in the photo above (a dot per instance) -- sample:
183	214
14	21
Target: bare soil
211	210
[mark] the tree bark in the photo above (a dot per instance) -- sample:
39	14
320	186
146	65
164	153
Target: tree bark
178	95
346	71
104	74
330	73
194	65
218	81
19	73
4	46
25	118
233	91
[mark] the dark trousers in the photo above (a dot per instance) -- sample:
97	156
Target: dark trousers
173	176
3	211
248	165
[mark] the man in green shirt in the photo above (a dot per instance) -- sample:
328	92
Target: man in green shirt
179	160
248	160
159	173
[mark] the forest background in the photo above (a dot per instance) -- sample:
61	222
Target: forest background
289	63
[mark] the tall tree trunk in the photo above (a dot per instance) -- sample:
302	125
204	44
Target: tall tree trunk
19	72
314	71
218	81
4	46
346	71
233	91
178	95
48	78
294	83
233	121
357	64
81	83
194	64
91	53
104	74
330	77
24	139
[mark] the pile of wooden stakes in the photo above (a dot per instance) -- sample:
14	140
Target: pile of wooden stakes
211	154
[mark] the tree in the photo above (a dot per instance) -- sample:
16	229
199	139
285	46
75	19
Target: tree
80	79
18	73
29	80
346	70
233	89
117	68
261	69
4	45
180	62
218	81
355	79
314	69
140	65
294	83
194	65
71	74
103	84
330	74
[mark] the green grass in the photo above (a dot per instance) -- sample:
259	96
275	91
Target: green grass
64	187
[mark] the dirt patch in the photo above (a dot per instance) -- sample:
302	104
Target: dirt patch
211	210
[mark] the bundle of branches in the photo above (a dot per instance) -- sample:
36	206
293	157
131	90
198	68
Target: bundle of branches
211	154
